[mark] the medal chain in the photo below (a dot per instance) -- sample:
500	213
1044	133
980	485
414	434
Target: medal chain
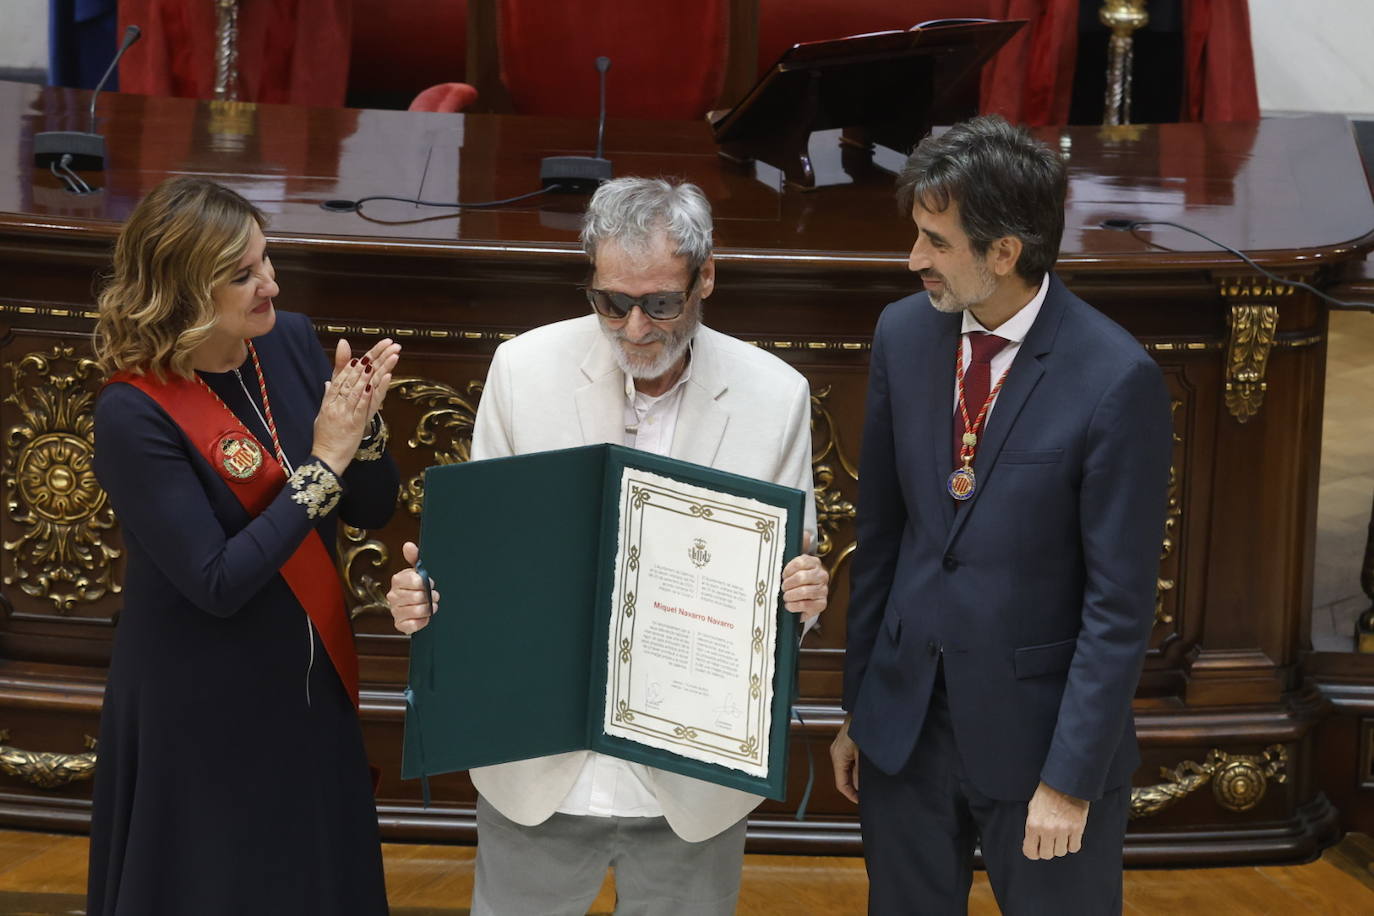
269	422
969	445
267	406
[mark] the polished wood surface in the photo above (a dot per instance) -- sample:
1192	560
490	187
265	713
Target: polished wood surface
41	871
1226	705
45	873
1280	189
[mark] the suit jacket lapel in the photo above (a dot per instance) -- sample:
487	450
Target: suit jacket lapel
1026	371
601	402
701	421
939	420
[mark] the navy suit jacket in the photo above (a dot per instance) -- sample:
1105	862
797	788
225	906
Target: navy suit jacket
1039	590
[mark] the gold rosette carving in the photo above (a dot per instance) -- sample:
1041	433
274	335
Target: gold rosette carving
445	427
56	508
1239	781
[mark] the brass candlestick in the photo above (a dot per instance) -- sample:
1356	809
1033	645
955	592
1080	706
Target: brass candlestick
1123	17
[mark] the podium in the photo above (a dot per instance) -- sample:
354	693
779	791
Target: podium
882	87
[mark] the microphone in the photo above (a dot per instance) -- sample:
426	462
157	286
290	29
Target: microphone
603	64
581	174
74	148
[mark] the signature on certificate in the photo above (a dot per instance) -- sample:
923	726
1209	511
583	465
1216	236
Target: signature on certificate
728	713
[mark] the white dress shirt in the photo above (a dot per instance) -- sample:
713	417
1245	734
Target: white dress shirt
608	786
1014	330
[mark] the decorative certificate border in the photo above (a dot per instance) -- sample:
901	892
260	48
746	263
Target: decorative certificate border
643	495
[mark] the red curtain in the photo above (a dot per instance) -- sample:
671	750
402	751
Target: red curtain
1220	62
289	50
1030	81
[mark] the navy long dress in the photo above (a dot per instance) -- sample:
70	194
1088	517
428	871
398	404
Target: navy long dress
231	775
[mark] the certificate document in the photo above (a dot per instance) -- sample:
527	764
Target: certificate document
693	625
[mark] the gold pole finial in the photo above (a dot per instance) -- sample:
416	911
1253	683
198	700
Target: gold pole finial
1124	18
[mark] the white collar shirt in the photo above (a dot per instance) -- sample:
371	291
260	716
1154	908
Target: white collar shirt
1013	330
608	786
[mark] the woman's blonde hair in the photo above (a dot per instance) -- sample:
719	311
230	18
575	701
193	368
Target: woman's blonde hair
182	240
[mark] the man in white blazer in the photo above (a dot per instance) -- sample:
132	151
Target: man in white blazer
641	371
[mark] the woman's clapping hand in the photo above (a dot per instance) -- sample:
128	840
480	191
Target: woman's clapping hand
354	393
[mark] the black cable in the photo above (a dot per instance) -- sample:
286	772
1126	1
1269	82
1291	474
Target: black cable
1130	225
356	206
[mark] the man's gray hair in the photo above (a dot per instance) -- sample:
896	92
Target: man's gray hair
633	211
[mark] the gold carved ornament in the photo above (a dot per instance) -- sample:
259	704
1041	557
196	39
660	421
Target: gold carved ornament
54	504
360	555
1253	326
43	769
366	594
445	415
1172	513
1239	781
832	509
1247	358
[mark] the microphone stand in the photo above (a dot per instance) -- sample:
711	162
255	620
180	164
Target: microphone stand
580	174
75	149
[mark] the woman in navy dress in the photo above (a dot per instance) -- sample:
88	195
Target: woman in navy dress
232	777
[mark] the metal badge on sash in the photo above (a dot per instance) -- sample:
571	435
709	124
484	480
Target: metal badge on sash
237	456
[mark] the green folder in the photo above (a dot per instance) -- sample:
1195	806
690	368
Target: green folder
514	664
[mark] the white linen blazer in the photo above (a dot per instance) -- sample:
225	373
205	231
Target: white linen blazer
743	410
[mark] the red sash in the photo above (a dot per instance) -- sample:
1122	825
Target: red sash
256	477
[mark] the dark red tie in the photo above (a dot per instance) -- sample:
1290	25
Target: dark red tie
977	383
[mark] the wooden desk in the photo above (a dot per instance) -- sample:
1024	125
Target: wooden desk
1223	703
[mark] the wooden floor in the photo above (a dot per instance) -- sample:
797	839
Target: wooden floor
45	875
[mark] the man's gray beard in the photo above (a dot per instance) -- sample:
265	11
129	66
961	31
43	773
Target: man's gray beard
953	305
676	343
948	304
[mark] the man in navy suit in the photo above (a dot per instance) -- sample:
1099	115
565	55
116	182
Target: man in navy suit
1011	509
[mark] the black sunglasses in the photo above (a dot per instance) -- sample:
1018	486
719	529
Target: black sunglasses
662	306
